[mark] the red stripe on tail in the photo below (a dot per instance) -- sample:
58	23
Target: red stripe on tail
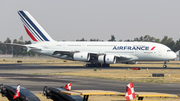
32	37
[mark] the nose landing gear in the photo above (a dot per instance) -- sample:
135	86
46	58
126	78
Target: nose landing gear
165	66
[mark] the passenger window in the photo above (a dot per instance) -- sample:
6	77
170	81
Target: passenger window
168	50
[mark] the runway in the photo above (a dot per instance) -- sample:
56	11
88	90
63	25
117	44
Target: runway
39	66
14	74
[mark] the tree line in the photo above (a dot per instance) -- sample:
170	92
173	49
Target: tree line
173	45
16	51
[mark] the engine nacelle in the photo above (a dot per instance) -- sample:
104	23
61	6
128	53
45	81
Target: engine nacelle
81	56
130	62
108	59
101	59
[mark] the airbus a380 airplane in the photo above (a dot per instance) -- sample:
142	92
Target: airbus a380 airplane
96	53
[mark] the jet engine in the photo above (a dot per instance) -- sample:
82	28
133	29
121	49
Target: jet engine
107	59
81	56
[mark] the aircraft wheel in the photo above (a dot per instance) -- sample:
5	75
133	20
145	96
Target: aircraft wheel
3	95
98	65
46	93
48	97
105	65
88	65
45	90
165	66
93	65
1	88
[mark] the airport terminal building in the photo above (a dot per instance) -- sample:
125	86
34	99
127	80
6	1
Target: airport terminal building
6	56
178	56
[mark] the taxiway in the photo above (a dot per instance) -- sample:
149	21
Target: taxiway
12	74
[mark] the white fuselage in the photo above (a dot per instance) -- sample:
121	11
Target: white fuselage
104	53
136	51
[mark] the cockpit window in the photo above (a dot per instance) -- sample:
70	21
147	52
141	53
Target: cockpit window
169	50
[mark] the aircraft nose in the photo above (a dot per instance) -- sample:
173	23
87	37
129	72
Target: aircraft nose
173	55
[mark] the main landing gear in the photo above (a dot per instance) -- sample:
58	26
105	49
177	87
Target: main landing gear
97	65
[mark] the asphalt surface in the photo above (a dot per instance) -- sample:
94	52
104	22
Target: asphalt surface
39	66
35	83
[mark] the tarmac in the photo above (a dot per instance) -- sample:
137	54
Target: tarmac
13	74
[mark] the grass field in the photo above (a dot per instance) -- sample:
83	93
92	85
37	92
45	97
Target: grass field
143	75
122	74
60	62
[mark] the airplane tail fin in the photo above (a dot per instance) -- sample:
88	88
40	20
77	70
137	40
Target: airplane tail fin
33	28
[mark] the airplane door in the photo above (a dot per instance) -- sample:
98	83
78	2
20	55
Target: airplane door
83	46
64	46
160	53
136	53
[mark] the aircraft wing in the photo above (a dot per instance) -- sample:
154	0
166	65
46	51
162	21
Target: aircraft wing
18	45
71	52
125	58
24	46
120	58
65	52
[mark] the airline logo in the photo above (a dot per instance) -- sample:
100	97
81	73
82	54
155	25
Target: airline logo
29	33
132	48
153	48
33	29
